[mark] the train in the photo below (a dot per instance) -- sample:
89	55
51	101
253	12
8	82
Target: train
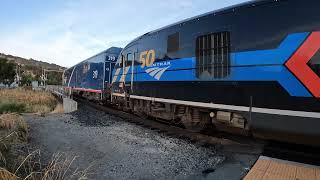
91	78
252	69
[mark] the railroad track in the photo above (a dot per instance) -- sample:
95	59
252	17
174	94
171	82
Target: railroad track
230	144
222	142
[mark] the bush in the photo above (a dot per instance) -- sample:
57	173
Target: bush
7	71
12	107
33	101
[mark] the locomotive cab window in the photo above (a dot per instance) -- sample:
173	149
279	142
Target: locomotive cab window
173	43
129	59
213	55
136	59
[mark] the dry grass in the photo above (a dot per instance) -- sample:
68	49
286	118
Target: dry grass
6	175
34	101
14	131
59	168
58	110
13	121
18	167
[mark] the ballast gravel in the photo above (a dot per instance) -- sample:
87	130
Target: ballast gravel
115	149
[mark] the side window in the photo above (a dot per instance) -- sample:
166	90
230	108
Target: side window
86	68
136	59
213	55
173	43
129	59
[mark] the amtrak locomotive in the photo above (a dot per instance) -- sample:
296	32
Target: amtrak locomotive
91	77
250	69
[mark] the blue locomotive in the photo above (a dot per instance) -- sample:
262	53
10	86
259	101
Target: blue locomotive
92	77
251	69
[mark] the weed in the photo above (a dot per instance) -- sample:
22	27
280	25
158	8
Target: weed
59	168
22	100
58	110
14	123
6	175
30	166
12	107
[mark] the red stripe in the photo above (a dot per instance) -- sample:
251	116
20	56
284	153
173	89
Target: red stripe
299	67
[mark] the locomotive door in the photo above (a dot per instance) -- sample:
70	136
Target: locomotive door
135	56
128	78
109	65
129	70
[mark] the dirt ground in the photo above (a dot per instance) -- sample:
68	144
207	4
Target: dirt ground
116	149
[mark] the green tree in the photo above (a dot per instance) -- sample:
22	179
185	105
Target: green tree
26	79
7	71
54	78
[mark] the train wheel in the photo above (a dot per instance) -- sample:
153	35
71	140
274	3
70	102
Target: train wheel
196	121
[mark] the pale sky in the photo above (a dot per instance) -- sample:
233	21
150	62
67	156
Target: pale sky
66	32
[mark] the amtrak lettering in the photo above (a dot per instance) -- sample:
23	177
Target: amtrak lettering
155	70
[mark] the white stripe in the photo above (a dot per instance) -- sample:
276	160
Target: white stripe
71	76
232	107
286	112
115	77
153	73
124	74
190	103
158	76
151	69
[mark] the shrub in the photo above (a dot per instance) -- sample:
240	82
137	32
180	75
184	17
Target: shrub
12	107
34	101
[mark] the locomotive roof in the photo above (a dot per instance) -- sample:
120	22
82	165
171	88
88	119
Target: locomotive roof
109	50
250	3
115	50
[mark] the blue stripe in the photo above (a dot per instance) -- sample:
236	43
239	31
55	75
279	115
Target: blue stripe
274	56
257	73
178	64
270	73
262	65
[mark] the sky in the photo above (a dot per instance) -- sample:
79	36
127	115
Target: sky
66	32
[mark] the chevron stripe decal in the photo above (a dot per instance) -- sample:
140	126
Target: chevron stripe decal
298	64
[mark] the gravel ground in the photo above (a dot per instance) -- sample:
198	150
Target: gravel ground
119	150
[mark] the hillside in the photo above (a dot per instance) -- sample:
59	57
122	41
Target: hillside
31	62
29	70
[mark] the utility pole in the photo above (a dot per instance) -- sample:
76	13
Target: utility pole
18	74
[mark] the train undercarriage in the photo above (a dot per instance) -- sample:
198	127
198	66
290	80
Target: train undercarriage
190	117
211	120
